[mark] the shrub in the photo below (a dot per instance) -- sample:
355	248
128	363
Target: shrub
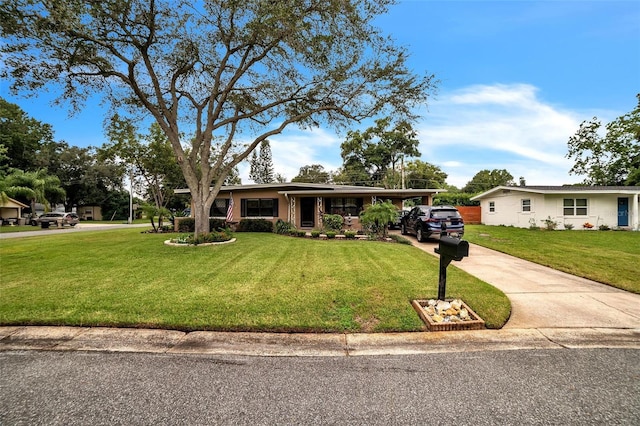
331	234
376	217
350	235
217	224
315	234
332	222
550	223
568	226
301	233
187	225
211	237
254	225
284	228
454	199
604	227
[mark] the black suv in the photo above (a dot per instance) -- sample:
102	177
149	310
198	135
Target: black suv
426	222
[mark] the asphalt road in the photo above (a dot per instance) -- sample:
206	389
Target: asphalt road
567	386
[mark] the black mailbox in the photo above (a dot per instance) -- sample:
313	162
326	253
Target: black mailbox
449	249
453	248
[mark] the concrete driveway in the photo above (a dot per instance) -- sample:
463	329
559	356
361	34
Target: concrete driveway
542	297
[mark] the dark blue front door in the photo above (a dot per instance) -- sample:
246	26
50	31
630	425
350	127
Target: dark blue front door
623	212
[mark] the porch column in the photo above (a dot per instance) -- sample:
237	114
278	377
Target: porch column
319	202
635	225
292	210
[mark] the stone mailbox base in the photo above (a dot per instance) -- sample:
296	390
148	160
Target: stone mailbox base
473	323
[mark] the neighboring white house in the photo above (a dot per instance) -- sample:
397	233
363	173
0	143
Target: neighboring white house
523	206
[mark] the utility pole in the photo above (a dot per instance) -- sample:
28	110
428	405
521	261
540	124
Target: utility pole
130	198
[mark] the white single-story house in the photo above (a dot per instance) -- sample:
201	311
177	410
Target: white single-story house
525	206
303	204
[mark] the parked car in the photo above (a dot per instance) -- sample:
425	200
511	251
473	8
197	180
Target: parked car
426	222
52	218
397	223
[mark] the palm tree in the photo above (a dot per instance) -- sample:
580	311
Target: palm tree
33	187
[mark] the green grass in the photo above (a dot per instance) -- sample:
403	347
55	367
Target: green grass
21	228
609	257
262	282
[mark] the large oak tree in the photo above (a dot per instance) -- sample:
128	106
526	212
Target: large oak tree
218	76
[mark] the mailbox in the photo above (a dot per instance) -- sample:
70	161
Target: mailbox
449	249
453	248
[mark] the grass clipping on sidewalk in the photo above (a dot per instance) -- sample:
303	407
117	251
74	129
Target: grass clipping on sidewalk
263	282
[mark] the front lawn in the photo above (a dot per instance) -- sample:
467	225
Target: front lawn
610	257
262	282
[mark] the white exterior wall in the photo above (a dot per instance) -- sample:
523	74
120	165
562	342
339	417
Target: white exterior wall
602	209
508	209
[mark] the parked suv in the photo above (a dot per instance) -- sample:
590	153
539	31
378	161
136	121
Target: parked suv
426	222
52	218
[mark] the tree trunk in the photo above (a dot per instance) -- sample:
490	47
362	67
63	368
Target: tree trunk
201	201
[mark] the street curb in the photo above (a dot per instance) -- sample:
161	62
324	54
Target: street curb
103	339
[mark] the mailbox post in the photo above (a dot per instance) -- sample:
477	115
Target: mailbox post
449	249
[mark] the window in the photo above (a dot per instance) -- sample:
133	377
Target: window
219	207
344	206
259	207
492	206
526	205
575	207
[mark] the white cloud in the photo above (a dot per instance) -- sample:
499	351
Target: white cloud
465	131
499	127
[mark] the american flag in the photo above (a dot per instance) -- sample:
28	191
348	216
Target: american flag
230	209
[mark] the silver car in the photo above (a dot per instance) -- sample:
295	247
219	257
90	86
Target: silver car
52	218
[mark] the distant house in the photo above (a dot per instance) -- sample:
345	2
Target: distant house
89	212
304	204
11	211
524	206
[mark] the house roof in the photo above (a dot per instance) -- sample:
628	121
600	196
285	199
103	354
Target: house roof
316	189
15	203
565	189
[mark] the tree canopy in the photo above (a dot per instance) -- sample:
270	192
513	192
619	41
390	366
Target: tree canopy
261	170
484	180
228	73
612	159
313	173
421	175
378	150
21	136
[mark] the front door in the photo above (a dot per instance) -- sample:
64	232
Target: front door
307	212
623	212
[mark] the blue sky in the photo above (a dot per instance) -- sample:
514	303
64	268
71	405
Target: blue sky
517	79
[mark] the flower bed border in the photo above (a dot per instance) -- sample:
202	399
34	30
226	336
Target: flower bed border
476	323
169	243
